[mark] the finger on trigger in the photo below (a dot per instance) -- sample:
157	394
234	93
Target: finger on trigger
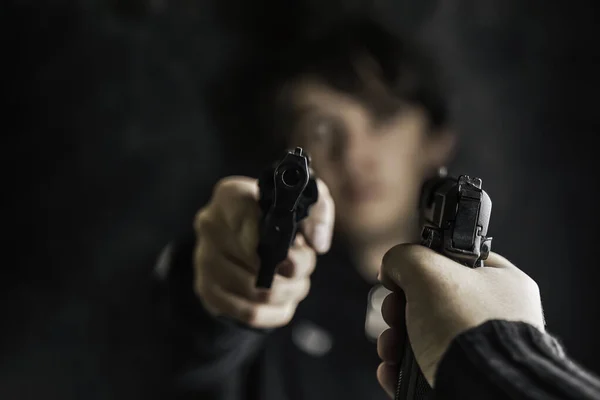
318	226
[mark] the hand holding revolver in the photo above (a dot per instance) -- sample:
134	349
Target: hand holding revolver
229	231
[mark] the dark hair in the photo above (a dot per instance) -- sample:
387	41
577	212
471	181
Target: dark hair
244	103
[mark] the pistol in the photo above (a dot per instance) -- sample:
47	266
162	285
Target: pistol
455	214
287	191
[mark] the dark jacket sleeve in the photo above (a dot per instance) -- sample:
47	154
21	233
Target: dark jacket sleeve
209	354
511	360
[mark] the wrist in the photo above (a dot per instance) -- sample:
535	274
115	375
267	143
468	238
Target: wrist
494	355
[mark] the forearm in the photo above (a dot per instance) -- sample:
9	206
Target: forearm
207	351
500	360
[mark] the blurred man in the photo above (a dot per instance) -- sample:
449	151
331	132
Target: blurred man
369	111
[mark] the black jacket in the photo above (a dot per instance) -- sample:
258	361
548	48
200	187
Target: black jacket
324	352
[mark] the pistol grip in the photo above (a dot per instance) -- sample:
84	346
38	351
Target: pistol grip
411	384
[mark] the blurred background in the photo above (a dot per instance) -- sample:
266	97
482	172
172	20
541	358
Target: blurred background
107	155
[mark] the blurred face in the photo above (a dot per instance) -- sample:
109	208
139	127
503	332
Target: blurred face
373	166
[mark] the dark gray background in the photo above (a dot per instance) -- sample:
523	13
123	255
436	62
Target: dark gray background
107	155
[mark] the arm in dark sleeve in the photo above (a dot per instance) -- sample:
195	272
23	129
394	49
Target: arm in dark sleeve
511	360
209	354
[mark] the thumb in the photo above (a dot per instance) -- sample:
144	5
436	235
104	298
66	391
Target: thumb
408	265
318	226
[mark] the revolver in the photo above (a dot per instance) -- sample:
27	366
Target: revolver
287	191
455	214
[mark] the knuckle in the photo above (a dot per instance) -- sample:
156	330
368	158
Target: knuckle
200	219
225	185
205	221
232	186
